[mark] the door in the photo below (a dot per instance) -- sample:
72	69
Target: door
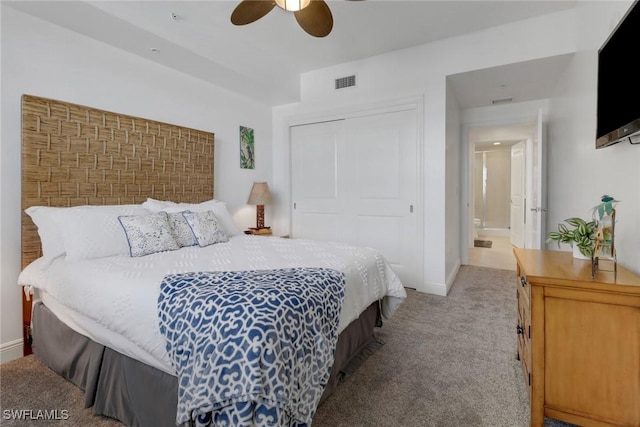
517	216
380	181
356	181
537	215
316	150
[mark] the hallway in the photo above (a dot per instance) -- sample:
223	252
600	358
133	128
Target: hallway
500	255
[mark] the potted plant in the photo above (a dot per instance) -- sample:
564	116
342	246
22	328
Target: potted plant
582	235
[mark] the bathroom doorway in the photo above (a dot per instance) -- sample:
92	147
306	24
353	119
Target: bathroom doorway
493	175
483	128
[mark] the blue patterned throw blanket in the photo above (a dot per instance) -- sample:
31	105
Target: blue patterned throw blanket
251	348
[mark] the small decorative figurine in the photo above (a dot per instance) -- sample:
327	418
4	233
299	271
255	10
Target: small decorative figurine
604	247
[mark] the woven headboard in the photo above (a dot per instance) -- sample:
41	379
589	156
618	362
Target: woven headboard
75	155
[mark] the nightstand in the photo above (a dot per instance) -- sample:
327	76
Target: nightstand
259	231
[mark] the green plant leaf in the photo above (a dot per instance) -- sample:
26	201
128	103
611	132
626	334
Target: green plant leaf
576	222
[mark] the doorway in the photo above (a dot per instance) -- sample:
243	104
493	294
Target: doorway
497	211
497	175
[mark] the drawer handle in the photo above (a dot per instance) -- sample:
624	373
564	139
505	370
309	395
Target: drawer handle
523	282
520	330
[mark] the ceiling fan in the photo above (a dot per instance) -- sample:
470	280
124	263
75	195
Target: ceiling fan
314	16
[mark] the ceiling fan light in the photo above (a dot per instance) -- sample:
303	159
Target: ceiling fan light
293	5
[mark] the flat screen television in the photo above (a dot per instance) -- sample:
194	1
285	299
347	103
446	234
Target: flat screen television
618	95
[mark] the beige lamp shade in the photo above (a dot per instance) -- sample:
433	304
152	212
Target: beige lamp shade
260	194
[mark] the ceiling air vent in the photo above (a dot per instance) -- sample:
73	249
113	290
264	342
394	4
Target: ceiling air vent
344	82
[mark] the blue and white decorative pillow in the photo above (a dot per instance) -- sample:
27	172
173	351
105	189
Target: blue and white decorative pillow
181	230
148	234
205	227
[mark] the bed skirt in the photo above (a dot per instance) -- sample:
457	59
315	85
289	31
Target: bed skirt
137	394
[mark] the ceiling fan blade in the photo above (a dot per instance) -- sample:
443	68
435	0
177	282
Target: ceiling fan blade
315	19
249	11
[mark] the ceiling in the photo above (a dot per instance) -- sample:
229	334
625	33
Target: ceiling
264	59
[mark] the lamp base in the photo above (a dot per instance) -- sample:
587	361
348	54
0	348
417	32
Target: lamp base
260	216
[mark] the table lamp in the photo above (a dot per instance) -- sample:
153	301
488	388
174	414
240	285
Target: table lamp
259	196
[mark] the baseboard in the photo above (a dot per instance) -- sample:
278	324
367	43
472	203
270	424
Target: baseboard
11	350
452	276
433	288
441	289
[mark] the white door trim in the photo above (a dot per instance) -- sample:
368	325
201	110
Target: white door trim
518	195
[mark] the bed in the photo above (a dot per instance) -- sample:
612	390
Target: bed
95	319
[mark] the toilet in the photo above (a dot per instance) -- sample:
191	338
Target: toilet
476	226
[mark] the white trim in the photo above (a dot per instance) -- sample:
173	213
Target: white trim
433	288
452	276
359	110
441	289
11	350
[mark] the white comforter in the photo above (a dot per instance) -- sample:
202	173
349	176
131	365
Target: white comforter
120	293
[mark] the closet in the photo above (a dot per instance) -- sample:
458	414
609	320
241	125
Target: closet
356	180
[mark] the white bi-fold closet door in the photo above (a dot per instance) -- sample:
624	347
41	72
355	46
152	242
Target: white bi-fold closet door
355	181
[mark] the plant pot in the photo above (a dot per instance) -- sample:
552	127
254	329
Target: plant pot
577	254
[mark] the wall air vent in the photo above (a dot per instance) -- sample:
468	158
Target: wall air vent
501	101
344	82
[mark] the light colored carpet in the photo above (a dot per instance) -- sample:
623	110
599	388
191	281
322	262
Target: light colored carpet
446	361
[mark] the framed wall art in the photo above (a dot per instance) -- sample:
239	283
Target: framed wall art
247	151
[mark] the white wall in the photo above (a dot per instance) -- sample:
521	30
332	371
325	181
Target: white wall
41	59
578	173
421	72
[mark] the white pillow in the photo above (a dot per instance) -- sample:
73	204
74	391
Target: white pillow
48	230
181	230
148	234
205	227
216	206
94	231
156	205
223	214
163	205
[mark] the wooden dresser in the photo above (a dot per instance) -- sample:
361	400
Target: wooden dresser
578	340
